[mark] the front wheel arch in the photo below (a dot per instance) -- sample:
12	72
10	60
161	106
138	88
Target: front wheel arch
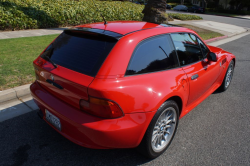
179	102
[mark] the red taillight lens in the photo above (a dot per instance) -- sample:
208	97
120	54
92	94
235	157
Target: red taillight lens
39	61
101	107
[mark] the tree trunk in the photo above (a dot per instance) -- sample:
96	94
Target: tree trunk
155	12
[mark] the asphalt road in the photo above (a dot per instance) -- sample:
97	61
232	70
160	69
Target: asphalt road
228	20
217	132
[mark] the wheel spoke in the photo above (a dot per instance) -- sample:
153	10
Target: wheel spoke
154	139
167	126
159	140
155	132
156	128
167	132
169	121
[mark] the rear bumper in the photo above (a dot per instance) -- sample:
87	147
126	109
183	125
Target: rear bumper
89	131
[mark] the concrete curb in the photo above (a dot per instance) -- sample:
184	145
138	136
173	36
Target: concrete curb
14	93
216	38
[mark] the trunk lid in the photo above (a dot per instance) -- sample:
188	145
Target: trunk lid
77	57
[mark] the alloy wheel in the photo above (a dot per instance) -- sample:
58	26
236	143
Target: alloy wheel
164	129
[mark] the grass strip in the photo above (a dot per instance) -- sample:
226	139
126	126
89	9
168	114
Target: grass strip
16	57
204	34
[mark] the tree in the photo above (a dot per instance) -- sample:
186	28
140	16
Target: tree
155	11
239	4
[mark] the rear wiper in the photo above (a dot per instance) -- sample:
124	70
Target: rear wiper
46	57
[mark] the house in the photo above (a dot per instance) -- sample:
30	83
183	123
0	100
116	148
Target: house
201	3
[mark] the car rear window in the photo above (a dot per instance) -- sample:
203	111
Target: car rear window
82	52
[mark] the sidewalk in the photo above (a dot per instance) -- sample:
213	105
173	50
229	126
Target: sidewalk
17	101
225	29
246	17
29	33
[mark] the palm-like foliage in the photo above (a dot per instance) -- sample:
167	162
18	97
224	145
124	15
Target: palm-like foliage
155	11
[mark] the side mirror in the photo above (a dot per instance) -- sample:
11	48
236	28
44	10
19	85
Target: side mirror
212	57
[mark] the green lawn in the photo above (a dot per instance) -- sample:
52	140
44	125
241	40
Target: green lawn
204	34
16	57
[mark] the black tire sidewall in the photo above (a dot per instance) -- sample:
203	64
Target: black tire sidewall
223	87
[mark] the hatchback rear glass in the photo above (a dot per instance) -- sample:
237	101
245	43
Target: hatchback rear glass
82	52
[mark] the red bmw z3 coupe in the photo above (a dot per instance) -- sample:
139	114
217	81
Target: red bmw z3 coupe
126	84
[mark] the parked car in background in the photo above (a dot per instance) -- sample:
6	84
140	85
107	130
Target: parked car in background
180	8
168	6
126	84
196	9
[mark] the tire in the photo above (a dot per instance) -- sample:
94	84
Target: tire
228	77
161	130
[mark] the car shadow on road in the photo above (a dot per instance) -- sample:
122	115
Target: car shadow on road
29	140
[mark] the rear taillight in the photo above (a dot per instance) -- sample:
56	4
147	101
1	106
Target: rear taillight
101	108
39	61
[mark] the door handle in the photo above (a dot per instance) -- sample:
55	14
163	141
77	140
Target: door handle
193	77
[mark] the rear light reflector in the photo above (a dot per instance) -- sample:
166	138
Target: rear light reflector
101	108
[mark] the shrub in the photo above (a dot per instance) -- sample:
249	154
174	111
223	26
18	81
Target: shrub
28	14
32	14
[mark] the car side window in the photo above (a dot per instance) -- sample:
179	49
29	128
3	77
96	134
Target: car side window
204	48
187	47
153	54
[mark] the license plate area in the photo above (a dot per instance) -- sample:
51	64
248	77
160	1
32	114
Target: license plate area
52	119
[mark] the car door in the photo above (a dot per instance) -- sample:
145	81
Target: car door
201	73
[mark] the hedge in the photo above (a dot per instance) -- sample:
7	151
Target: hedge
30	14
33	14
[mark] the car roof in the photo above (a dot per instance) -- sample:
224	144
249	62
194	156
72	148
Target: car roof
121	27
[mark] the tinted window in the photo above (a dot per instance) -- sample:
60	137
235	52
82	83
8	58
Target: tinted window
187	48
83	53
204	48
154	54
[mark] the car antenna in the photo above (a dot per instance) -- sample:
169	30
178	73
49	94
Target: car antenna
105	22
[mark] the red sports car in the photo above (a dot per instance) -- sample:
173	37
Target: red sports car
126	84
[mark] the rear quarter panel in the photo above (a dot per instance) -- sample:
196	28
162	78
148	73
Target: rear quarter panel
142	93
138	93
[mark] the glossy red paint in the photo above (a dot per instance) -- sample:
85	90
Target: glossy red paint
138	96
122	27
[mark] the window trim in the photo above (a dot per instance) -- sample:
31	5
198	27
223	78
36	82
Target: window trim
133	54
199	46
204	57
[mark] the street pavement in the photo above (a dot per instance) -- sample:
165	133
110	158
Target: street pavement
216	132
